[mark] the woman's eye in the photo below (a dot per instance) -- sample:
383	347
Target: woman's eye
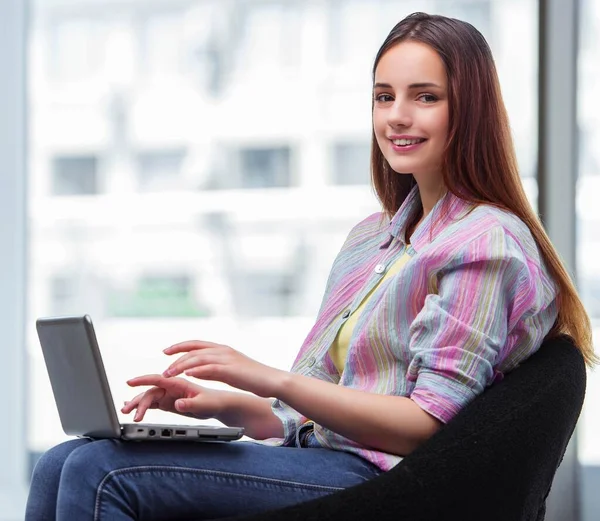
427	98
383	98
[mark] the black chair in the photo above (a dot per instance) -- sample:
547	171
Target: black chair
495	461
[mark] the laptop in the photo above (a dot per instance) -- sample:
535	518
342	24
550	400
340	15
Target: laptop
82	394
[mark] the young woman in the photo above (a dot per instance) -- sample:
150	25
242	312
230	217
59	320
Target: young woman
428	302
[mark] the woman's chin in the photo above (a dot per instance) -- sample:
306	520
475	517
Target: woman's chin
403	169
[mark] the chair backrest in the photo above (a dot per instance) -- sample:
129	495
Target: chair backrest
495	460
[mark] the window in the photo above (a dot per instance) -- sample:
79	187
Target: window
351	163
252	168
63	293
266	293
265	168
156	296
160	170
75	289
75	175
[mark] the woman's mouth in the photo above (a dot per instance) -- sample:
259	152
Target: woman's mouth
407	145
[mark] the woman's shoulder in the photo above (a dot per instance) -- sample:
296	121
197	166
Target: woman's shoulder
371	226
487	222
487	219
377	220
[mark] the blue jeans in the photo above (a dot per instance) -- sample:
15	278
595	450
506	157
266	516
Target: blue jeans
112	480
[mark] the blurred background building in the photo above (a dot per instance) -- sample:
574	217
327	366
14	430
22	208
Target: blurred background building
194	166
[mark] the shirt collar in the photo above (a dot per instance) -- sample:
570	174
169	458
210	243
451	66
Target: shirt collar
451	206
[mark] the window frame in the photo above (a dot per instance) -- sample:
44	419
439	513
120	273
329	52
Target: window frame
13	261
557	156
557	178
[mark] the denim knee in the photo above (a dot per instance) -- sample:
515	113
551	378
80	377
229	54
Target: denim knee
43	489
49	467
89	459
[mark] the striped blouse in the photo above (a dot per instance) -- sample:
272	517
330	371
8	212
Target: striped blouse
473	301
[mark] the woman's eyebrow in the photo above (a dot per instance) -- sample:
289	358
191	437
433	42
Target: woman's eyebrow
411	86
382	86
424	84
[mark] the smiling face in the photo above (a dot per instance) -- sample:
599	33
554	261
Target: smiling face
410	110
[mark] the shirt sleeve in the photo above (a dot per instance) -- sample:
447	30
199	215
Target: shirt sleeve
455	340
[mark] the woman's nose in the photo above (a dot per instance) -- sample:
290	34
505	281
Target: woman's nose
399	115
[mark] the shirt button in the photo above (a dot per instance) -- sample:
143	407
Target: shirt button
311	361
380	268
346	314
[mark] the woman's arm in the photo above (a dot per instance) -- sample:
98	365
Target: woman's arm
388	423
251	412
393	424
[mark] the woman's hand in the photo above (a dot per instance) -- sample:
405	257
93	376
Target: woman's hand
176	395
210	361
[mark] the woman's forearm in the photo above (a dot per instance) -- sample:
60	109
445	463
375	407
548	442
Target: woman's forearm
392	424
251	412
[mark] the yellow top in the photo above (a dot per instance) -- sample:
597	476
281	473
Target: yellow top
339	348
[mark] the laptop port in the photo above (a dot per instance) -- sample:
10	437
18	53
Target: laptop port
165	433
180	432
152	432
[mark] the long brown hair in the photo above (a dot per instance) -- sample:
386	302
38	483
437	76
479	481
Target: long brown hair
479	163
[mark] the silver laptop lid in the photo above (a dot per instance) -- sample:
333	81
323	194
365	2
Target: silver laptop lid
77	376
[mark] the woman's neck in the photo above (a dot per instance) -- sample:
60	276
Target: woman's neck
413	224
431	190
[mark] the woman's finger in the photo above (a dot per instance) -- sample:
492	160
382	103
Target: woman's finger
131	404
186	356
172	385
189	360
189	345
147	379
149	397
207	372
199	360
